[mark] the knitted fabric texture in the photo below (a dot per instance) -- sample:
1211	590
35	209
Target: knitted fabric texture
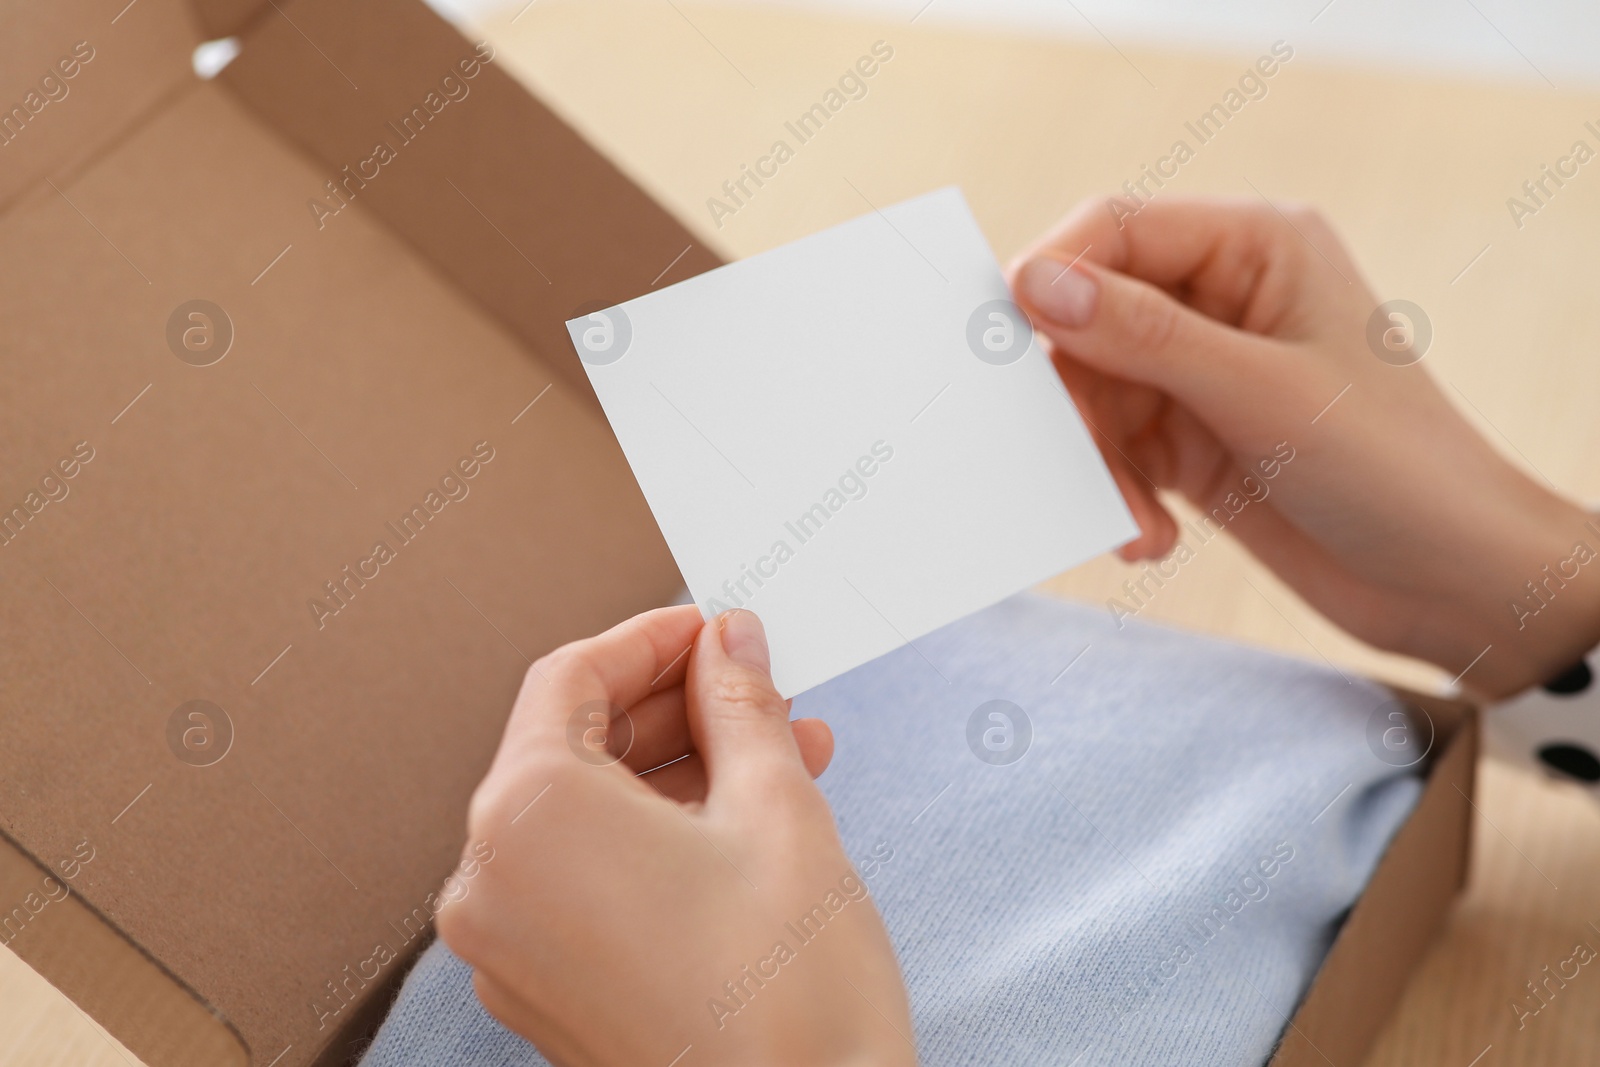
1155	880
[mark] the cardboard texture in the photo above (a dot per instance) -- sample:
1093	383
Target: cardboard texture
214	890
231	912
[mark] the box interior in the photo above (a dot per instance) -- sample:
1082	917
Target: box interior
231	911
219	505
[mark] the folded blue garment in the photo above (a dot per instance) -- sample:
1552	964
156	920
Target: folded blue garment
1091	844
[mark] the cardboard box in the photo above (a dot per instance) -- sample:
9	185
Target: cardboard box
203	487
377	366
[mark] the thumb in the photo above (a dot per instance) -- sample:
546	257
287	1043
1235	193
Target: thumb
1128	328
739	723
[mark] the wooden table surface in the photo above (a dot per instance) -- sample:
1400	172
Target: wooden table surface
1414	170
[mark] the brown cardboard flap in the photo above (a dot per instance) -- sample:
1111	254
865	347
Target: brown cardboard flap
226	18
1397	917
105	974
486	182
213	505
72	80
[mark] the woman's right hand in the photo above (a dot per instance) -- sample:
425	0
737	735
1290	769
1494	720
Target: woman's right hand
708	905
1203	337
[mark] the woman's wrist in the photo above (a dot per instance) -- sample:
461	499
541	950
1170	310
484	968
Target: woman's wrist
1535	602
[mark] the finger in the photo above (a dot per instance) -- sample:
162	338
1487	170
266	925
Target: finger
660	735
739	722
683	781
815	741
644	654
1158	530
620	667
1222	246
1102	403
1125	327
660	732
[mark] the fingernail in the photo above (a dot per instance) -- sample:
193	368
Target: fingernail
744	639
1061	295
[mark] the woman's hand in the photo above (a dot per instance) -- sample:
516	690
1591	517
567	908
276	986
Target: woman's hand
705	913
1203	338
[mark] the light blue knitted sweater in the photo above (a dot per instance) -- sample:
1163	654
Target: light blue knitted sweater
1146	869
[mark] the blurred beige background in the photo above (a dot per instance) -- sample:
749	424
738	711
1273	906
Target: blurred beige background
1414	169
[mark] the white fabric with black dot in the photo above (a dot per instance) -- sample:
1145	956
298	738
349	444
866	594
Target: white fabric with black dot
1554	728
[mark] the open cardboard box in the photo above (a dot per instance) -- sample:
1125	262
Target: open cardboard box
249	885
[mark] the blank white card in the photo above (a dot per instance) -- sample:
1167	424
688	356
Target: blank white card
855	436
